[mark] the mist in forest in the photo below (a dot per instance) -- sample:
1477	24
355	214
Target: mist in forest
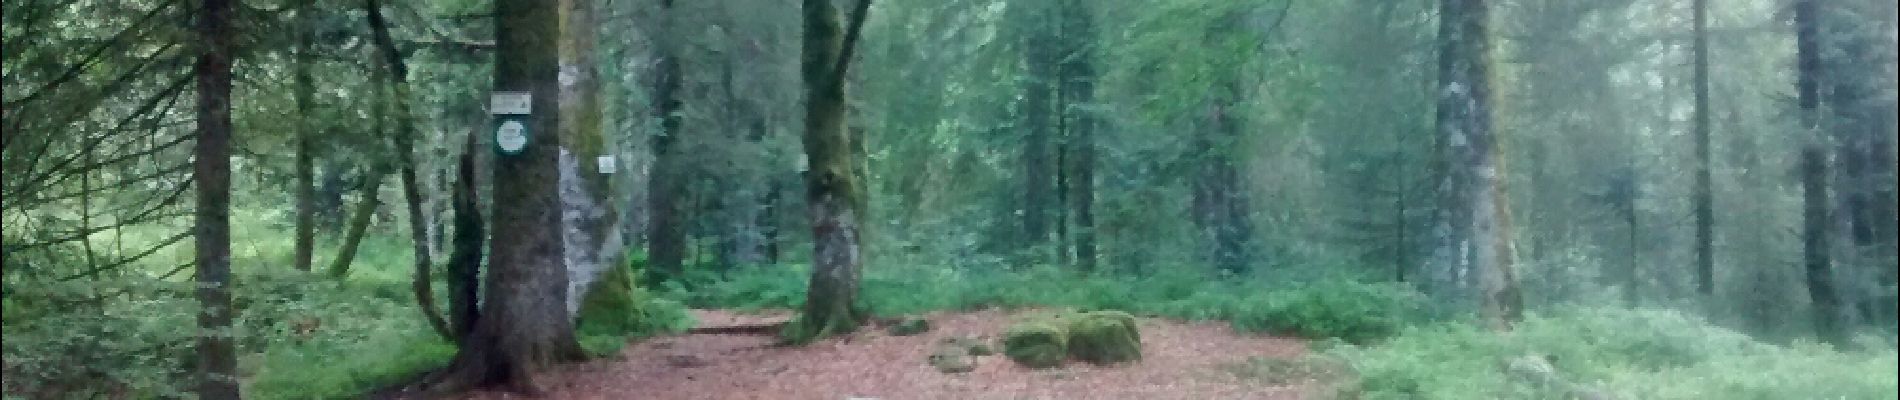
950	199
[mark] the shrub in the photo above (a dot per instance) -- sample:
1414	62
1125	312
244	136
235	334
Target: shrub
1650	354
1332	308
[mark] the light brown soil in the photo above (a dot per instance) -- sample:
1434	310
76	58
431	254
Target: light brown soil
1180	361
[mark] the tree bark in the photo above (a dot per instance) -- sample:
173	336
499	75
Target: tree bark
524	326
591	234
396	75
834	193
304	89
211	171
1041	58
1813	166
1474	232
1079	83
358	224
465	257
666	232
1704	196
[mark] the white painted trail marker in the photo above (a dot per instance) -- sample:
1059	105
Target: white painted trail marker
511	136
605	163
510	103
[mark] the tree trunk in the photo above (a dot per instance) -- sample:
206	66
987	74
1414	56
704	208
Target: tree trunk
524	326
211	222
1079	83
304	90
1038	97
1813	165
1703	196
1219	203
358	224
591	237
465	259
330	188
1474	235
396	75
666	232
834	193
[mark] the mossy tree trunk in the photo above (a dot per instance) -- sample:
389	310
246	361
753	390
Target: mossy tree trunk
358	225
524	325
303	90
833	192
591	234
666	226
1474	231
396	73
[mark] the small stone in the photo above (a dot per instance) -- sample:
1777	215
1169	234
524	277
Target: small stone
952	359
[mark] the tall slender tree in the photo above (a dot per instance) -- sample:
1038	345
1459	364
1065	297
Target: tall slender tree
211	173
834	191
395	74
1078	87
1040	58
304	89
1816	259
1704	196
666	228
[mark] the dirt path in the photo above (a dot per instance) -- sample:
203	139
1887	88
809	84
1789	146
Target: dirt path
1180	361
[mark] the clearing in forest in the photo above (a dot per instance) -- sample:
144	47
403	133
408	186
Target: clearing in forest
1180	361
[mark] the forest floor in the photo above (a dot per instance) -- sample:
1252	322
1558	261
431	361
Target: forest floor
1179	361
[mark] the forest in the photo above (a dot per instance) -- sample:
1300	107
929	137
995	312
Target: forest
950	199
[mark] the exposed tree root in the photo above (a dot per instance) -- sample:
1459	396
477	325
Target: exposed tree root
755	329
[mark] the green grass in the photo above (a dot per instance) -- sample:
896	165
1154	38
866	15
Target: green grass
1632	354
1327	308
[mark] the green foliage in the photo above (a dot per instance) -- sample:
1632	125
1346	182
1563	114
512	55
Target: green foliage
137	346
1353	311
342	370
1650	354
1321	308
315	337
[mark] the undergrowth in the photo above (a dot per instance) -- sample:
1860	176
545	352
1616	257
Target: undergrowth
1628	354
1326	308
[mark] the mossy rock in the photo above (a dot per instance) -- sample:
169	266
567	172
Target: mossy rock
909	326
1104	337
1037	344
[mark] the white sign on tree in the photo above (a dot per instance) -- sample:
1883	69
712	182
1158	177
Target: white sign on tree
511	110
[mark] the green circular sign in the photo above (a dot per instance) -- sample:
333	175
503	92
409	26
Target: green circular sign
511	135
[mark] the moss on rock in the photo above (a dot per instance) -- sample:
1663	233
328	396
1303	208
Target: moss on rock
1104	337
1037	344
